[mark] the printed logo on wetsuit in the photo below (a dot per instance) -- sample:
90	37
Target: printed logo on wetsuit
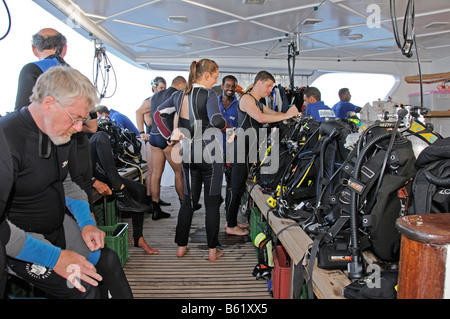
64	164
326	113
38	271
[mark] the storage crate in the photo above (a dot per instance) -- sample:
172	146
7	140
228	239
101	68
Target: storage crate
281	274
257	225
105	211
433	100
17	288
117	239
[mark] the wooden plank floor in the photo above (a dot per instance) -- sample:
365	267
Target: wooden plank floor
192	276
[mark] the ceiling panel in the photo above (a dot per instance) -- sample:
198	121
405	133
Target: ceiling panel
128	34
140	30
239	33
250	11
106	8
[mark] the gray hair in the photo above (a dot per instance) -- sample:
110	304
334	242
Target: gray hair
57	42
64	84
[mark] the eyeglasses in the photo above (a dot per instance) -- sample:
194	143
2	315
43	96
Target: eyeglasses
74	121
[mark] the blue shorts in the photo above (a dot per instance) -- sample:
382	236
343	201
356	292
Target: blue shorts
157	140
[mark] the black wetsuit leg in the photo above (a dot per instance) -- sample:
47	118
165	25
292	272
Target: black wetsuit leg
211	176
239	175
114	284
101	153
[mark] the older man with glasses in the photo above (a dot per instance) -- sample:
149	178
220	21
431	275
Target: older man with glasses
45	245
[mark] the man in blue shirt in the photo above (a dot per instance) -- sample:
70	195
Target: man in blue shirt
315	107
118	118
228	104
344	106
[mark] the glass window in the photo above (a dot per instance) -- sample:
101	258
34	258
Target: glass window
364	87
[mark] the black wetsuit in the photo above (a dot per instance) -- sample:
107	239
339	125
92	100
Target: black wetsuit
5	188
156	139
201	155
29	74
37	205
245	147
72	192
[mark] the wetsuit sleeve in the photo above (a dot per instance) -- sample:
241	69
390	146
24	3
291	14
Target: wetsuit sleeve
22	246
164	116
215	116
77	203
27	79
76	197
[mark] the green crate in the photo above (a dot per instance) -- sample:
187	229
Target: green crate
257	225
105	211
17	288
117	239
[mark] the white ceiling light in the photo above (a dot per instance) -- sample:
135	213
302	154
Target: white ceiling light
177	19
253	1
184	44
355	36
383	47
311	21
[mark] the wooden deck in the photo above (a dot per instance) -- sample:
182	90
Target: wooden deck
192	276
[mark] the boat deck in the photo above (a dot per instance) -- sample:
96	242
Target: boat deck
192	276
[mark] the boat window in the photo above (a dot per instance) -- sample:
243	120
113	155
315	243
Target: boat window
364	87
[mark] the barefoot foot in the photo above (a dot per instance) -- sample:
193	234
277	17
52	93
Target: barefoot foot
243	226
215	253
238	231
182	250
143	244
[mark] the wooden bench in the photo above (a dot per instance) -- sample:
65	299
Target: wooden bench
327	284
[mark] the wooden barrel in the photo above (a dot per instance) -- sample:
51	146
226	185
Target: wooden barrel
424	256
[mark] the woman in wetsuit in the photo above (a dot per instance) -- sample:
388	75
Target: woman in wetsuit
198	125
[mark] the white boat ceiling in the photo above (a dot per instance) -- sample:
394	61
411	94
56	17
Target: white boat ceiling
329	35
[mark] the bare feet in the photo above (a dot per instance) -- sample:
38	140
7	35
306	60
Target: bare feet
215	253
243	226
143	244
238	231
182	250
